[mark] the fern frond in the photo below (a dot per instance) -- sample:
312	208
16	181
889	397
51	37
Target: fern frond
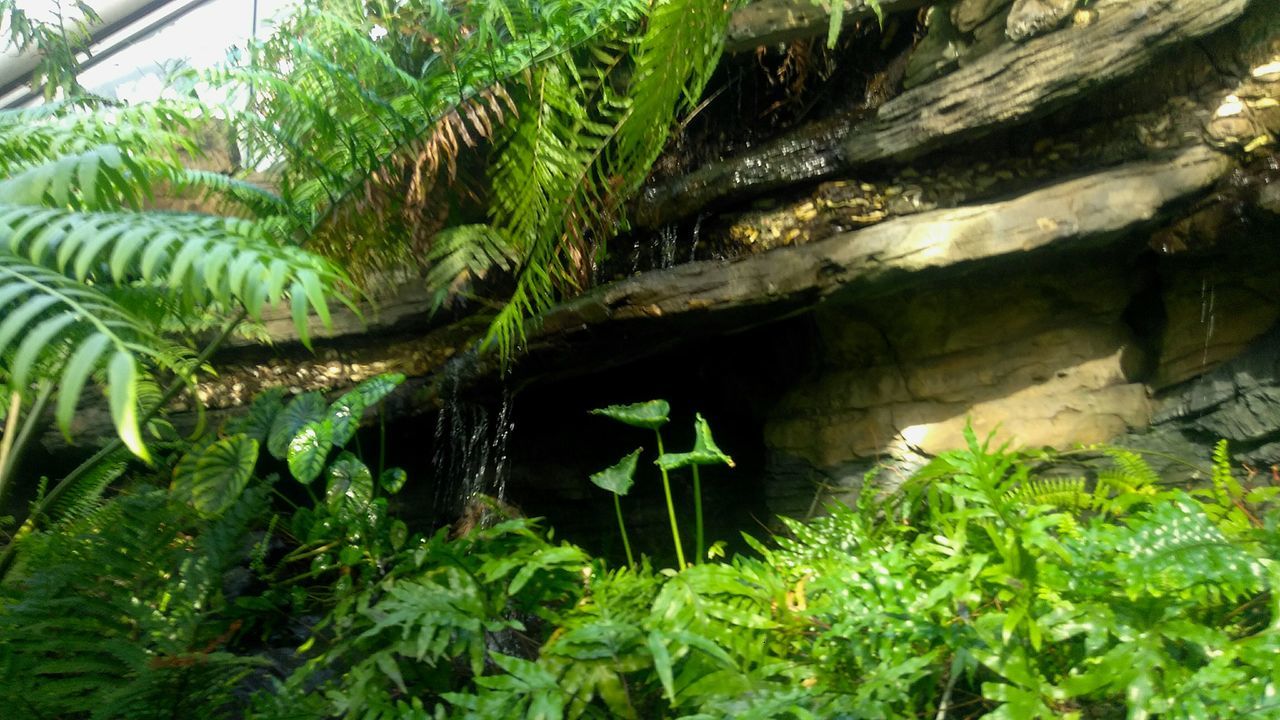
56	327
462	254
207	260
84	498
32	136
1225	485
1135	473
107	617
1131	482
580	148
1067	493
233	192
97	179
674	60
1176	550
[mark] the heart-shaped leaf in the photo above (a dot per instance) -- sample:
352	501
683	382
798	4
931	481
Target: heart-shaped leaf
375	388
705	451
618	479
305	408
398	534
212	477
392	479
309	449
350	486
262	414
350	555
651	415
345	414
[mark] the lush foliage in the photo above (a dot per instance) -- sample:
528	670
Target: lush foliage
990	585
127	606
380	119
472	139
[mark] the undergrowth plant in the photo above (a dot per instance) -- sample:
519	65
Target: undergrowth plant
140	605
989	586
618	478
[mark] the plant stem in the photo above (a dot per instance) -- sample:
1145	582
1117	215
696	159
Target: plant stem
671	506
382	441
6	442
9	461
177	386
697	516
626	544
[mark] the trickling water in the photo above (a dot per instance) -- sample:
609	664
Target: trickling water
697	235
667	238
502	436
471	441
1206	318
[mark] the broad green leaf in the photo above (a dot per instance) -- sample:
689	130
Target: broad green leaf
257	422
298	310
36	341
350	486
376	388
345	414
19	320
122	386
315	294
350	555
305	408
651	415
705	451
212	478
618	478
662	665
836	21
398	534
392	479
83	362
309	449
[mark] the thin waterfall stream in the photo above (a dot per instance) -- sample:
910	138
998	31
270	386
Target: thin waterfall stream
471	441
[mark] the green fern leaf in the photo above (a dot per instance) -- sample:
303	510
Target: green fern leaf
80	331
1175	549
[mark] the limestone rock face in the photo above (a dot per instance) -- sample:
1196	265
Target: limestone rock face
1028	18
1042	360
969	14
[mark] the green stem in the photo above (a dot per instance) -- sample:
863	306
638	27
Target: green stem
697	515
171	392
382	441
626	544
11	447
671	506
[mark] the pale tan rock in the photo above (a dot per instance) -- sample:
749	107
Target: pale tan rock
1213	314
1029	18
969	14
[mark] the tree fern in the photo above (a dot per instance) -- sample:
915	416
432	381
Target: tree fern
57	327
581	147
369	106
65	244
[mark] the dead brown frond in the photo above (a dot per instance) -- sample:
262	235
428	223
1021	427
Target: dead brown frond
389	223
